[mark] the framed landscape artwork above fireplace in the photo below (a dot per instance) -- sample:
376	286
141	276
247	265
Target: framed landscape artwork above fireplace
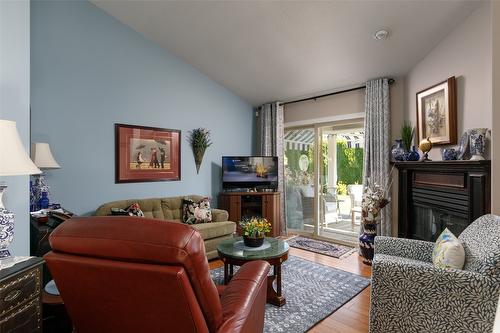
437	113
146	154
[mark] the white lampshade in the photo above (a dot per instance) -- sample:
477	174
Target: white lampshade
14	160
41	155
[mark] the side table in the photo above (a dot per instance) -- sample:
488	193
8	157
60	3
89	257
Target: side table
40	230
20	297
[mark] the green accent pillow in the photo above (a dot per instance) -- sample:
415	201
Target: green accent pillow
448	251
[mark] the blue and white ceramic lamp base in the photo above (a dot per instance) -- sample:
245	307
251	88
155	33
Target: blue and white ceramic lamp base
6	227
38	187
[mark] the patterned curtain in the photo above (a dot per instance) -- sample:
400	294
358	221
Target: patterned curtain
270	141
377	143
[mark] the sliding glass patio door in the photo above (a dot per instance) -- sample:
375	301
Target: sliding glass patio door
323	177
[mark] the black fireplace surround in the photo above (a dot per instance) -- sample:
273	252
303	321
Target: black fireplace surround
442	194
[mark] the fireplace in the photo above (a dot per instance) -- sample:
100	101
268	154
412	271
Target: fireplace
443	194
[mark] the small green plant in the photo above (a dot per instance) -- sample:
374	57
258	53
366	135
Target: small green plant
407	132
200	139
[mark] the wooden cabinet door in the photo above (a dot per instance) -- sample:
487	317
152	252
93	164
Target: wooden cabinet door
270	211
235	208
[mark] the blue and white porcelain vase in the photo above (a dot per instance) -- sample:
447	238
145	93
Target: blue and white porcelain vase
477	138
39	186
449	154
397	151
6	227
44	201
412	155
33	201
366	242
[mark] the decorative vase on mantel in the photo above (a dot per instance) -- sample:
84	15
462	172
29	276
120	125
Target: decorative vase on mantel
477	143
367	240
412	155
397	151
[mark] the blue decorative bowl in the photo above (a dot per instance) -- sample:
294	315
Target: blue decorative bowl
412	155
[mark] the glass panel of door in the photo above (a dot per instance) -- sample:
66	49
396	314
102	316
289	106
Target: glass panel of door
299	179
340	181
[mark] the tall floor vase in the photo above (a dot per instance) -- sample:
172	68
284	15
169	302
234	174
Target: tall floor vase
366	242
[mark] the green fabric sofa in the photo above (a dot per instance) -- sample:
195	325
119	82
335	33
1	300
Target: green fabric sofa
170	209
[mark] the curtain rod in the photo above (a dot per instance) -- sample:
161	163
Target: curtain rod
391	81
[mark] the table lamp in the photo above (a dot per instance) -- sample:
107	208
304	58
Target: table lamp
43	159
14	161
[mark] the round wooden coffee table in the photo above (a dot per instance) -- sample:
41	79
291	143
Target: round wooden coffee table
274	251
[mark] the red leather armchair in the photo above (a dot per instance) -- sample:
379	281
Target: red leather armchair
126	274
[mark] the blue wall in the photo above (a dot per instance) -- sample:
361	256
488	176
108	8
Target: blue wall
14	106
88	72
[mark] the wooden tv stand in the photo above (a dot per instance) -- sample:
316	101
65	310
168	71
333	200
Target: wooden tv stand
248	204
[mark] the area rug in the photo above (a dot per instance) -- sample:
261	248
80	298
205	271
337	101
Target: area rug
314	245
312	291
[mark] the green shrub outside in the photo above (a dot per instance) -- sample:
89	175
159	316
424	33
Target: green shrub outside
349	164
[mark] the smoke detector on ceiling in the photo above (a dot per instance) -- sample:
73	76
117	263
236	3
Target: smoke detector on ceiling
381	34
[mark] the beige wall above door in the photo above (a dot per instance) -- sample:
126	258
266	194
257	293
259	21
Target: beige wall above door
326	109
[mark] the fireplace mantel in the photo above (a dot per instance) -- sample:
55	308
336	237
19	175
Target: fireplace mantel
435	195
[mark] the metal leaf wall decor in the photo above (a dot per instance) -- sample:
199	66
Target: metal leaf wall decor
199	139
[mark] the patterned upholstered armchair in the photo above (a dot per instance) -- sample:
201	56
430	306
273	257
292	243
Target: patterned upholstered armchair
410	295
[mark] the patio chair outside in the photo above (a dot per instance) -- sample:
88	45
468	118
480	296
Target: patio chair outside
356	194
331	207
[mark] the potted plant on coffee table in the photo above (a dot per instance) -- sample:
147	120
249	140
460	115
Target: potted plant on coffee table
254	231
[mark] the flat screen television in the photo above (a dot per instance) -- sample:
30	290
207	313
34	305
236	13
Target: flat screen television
244	172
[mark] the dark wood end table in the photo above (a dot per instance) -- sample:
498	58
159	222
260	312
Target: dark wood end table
274	251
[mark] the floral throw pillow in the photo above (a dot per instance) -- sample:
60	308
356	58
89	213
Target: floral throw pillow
135	210
196	212
448	251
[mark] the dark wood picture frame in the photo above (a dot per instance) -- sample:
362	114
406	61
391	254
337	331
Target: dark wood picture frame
147	154
443	118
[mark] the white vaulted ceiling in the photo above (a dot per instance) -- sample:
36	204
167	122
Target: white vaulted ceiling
265	51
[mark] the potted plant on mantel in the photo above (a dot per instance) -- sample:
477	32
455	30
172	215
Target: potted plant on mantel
402	150
254	231
374	200
407	133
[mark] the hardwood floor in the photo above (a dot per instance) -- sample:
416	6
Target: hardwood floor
352	317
